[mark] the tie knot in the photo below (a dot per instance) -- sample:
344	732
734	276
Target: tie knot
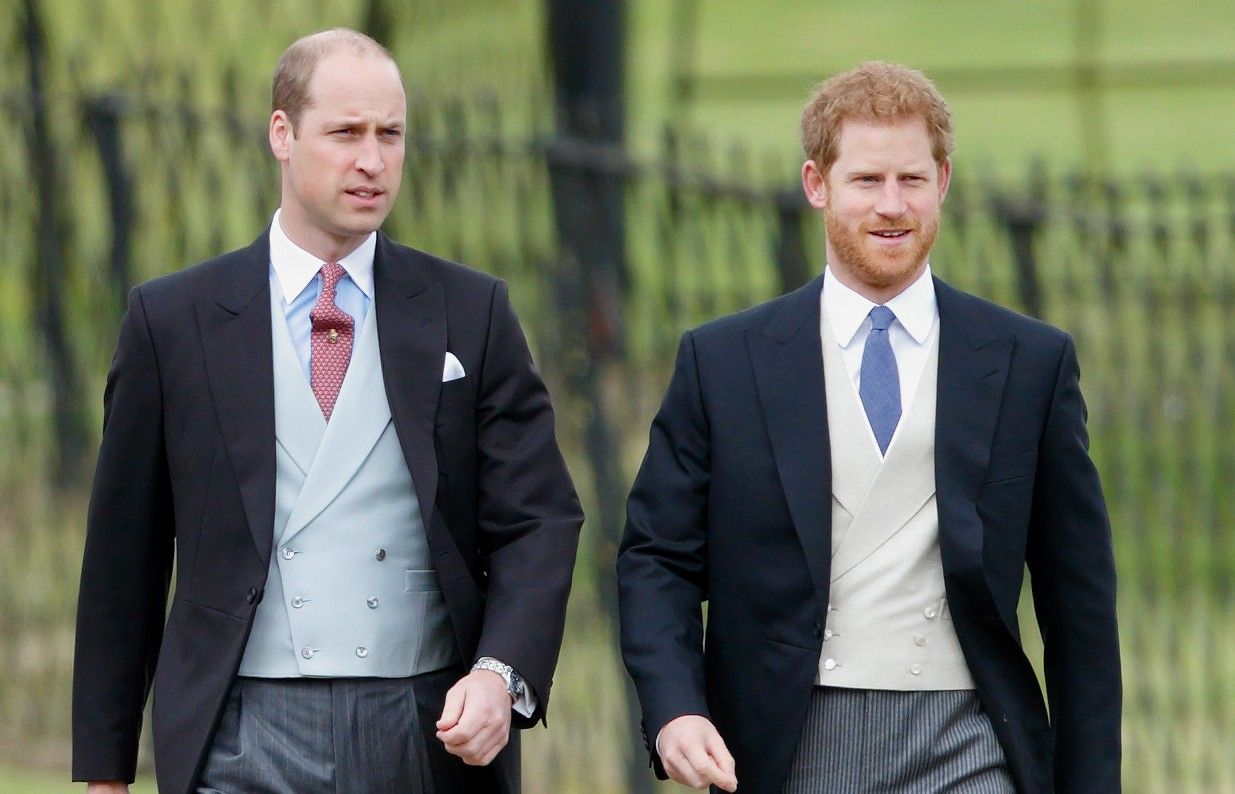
881	318
331	273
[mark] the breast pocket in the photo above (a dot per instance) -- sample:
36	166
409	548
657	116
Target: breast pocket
456	405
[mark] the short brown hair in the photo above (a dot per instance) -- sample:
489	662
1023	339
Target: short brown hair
289	90
874	92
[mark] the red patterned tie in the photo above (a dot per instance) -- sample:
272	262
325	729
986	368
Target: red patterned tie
331	341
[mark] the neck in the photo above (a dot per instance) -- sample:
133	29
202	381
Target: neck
875	293
323	245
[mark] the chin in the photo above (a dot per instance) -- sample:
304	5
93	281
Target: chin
887	274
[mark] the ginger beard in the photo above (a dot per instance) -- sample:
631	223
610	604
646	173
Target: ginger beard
880	266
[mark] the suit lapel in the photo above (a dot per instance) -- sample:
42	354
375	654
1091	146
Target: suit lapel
411	330
973	369
235	332
787	359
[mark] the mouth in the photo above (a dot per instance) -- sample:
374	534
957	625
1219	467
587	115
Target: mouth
365	194
890	234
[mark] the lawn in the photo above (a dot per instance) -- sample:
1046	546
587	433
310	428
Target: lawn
26	781
754	64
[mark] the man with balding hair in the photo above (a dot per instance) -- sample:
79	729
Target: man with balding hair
854	477
344	447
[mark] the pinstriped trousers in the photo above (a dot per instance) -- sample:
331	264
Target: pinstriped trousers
311	736
868	740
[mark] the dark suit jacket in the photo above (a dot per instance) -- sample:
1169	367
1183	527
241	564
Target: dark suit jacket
187	470
732	506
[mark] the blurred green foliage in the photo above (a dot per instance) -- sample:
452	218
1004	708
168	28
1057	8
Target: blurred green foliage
1141	270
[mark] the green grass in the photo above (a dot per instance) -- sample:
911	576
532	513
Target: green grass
14	780
1181	126
200	193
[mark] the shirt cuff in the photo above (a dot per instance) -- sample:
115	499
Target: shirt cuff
526	704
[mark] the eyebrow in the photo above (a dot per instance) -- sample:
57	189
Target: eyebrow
359	122
854	173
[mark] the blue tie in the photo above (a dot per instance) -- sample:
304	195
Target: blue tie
880	385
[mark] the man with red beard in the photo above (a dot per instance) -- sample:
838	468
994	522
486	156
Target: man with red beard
854	477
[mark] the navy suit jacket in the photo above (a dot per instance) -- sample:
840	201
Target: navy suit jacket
187	469
732	506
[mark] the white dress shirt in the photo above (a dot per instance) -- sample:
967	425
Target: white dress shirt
293	277
911	335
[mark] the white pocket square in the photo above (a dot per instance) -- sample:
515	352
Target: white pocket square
452	369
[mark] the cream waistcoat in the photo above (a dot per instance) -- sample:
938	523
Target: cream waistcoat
888	625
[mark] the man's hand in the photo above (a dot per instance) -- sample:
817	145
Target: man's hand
475	722
694	754
107	787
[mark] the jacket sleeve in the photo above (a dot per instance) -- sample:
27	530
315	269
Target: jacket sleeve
527	511
127	564
1072	566
662	563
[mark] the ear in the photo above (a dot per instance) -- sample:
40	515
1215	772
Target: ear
814	186
945	178
281	135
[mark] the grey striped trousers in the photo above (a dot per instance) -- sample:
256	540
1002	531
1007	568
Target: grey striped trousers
869	740
305	736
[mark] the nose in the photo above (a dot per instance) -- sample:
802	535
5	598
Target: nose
369	157
891	203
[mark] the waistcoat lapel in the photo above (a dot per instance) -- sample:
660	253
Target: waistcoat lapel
904	483
360	416
299	424
856	459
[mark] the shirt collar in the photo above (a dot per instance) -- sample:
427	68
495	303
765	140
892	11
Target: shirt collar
295	267
914	307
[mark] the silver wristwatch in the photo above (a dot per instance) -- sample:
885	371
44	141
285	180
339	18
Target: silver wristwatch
514	684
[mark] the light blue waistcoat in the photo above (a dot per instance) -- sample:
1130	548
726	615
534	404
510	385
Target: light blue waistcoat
351	590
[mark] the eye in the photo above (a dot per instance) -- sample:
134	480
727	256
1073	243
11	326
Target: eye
392	133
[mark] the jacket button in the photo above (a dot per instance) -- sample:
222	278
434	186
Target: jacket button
251	596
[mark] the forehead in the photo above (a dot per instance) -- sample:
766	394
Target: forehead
904	142
345	83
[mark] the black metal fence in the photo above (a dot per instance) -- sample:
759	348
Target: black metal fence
106	190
